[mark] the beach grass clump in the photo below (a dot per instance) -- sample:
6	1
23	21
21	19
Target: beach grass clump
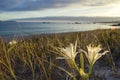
36	57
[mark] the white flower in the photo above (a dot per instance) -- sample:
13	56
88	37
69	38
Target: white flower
69	52
93	53
13	42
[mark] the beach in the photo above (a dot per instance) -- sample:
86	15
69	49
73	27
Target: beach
35	57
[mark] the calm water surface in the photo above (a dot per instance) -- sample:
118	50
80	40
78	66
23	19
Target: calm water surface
10	29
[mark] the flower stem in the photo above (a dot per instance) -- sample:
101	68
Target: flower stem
76	67
90	70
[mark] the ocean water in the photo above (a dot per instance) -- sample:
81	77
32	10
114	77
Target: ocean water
10	29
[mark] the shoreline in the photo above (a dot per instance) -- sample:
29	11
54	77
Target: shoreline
48	34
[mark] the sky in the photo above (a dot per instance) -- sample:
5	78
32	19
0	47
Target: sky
16	9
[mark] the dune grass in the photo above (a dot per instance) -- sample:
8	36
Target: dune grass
34	57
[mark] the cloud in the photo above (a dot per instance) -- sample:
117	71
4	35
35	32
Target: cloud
98	2
30	5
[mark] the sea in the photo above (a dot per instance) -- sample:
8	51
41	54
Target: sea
11	29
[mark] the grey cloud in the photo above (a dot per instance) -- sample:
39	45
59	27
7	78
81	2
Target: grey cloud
26	5
29	5
97	2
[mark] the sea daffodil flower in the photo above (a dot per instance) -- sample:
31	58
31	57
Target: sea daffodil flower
13	42
69	52
94	53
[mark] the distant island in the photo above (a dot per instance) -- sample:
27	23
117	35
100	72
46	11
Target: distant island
114	21
68	19
7	21
118	24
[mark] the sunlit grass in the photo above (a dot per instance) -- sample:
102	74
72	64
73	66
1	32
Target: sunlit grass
34	57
